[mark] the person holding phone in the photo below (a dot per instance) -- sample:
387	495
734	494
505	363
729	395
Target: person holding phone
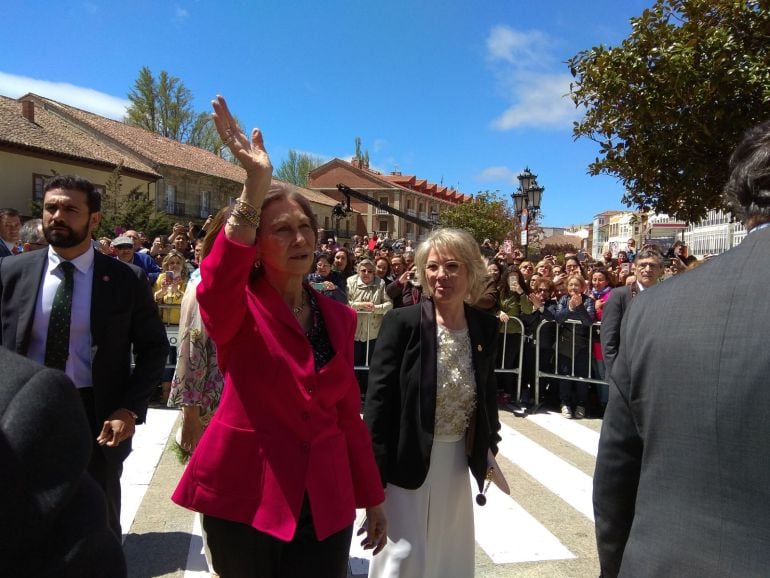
514	301
326	281
170	286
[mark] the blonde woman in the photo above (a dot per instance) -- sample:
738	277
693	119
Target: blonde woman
170	286
432	410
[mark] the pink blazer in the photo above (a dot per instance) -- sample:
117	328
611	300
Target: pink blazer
282	429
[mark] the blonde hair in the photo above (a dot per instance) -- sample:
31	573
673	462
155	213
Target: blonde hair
464	248
175	255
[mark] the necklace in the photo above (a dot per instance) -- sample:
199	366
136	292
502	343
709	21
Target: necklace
301	307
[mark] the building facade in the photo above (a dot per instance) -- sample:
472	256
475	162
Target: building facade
406	193
40	137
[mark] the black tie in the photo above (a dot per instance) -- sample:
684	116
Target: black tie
57	344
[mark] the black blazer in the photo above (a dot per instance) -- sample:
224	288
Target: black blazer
682	480
124	318
400	407
4	252
54	520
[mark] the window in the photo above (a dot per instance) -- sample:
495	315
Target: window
383	225
38	183
205	204
170	198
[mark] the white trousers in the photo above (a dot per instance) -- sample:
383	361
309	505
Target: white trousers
430	529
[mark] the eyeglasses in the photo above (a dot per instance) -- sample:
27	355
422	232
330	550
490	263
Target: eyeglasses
124	246
526	267
450	267
542	290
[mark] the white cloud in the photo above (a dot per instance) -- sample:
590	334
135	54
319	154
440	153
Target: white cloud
526	73
530	49
14	86
181	13
540	102
496	174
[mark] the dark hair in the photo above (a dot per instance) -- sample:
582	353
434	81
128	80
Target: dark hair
350	268
505	288
649	254
9	213
76	183
747	191
323	255
604	273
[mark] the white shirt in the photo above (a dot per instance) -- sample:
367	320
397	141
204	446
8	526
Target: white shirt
78	366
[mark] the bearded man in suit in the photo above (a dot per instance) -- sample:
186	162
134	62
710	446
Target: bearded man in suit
74	309
682	480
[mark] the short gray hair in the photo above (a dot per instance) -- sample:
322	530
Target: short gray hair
465	249
32	232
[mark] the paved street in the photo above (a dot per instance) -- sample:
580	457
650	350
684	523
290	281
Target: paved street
545	528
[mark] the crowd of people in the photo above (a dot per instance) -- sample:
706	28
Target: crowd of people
272	377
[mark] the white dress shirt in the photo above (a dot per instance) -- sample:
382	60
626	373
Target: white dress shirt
78	366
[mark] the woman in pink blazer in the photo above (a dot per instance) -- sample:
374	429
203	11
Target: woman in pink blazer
286	459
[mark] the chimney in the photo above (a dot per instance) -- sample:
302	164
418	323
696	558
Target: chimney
28	110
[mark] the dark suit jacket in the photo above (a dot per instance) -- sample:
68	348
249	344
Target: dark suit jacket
612	316
146	263
682	481
123	319
4	252
54	521
400	405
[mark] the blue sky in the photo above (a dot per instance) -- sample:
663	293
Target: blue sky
463	93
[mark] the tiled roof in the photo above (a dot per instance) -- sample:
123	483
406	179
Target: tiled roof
311	195
151	146
405	182
67	131
52	135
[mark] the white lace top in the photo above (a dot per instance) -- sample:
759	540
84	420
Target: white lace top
456	384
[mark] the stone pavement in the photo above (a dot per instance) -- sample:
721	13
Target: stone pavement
545	528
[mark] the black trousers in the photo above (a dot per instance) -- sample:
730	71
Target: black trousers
359	358
105	471
240	551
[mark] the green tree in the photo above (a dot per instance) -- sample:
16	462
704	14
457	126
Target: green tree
162	105
670	103
296	166
131	210
488	216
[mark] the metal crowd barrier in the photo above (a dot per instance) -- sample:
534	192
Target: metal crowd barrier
568	325
539	373
172	333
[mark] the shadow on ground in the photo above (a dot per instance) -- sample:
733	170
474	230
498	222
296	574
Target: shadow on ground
157	553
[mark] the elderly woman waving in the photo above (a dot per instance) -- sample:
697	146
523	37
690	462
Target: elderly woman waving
432	410
286	459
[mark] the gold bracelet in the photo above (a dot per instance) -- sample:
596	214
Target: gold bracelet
246	212
235	224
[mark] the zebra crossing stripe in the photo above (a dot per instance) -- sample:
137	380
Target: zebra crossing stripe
570	431
509	534
561	478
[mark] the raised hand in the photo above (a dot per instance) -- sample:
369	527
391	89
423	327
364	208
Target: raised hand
250	152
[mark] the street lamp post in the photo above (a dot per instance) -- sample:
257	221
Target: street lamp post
526	203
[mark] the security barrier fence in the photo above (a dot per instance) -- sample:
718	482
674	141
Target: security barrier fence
558	351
